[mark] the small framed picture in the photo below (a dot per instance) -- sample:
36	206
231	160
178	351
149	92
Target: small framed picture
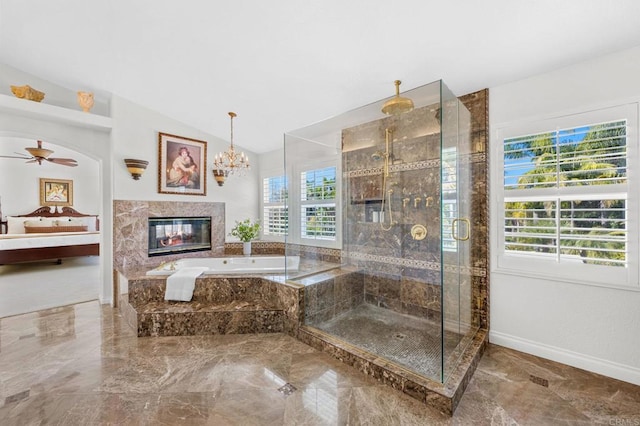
56	192
182	165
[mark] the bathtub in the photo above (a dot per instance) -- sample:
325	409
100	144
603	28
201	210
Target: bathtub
232	265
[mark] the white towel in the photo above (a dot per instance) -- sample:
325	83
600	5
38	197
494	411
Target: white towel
180	284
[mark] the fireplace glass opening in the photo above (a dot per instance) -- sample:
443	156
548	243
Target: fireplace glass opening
172	235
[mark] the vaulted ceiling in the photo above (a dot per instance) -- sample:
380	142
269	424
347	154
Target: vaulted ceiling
284	64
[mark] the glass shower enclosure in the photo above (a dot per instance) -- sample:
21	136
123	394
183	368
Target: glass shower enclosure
391	193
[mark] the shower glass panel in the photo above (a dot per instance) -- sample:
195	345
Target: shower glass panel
456	196
402	290
312	201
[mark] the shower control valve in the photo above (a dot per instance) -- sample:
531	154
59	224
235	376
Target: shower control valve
416	201
428	201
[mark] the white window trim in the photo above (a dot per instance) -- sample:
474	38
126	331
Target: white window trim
318	203
295	204
265	174
623	278
449	197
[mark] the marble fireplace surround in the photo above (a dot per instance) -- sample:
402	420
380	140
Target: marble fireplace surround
130	230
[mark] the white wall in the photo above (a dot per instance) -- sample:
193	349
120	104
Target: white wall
20	182
595	328
135	135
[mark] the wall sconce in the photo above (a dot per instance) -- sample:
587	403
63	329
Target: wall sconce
136	167
219	176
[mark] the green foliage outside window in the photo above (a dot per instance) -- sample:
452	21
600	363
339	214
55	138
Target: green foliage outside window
592	230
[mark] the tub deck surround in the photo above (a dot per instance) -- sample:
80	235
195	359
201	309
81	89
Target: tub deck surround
220	305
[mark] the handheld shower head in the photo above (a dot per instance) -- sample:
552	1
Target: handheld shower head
378	155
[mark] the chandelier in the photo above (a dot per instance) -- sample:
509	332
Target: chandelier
229	162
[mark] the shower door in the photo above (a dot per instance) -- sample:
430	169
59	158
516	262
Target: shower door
456	200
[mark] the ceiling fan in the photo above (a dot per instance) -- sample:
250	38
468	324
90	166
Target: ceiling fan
40	154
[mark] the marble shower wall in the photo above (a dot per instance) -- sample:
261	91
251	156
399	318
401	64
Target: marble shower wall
475	280
402	273
330	294
130	230
323	254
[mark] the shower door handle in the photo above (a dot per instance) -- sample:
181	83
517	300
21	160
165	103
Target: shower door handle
454	229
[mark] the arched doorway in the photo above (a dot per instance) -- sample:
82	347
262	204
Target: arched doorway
87	134
27	287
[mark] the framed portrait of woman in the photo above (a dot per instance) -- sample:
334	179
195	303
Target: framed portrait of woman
182	165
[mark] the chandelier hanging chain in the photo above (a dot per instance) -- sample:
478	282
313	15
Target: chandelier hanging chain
232	115
229	162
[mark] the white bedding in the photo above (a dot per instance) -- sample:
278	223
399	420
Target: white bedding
27	241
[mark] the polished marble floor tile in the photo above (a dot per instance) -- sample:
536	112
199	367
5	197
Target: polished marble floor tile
82	365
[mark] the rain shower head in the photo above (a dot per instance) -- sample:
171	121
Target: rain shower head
398	104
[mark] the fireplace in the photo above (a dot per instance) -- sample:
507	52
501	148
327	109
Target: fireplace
174	235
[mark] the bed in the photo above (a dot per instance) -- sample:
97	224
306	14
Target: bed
46	235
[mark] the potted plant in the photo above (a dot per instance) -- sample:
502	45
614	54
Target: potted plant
246	231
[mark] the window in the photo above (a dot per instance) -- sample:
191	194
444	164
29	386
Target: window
309	189
590	228
318	204
275	213
449	197
567	209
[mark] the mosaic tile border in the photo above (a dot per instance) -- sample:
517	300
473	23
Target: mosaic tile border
417	264
418	165
476	157
275	245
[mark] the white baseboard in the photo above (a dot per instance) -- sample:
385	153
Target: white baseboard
622	372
